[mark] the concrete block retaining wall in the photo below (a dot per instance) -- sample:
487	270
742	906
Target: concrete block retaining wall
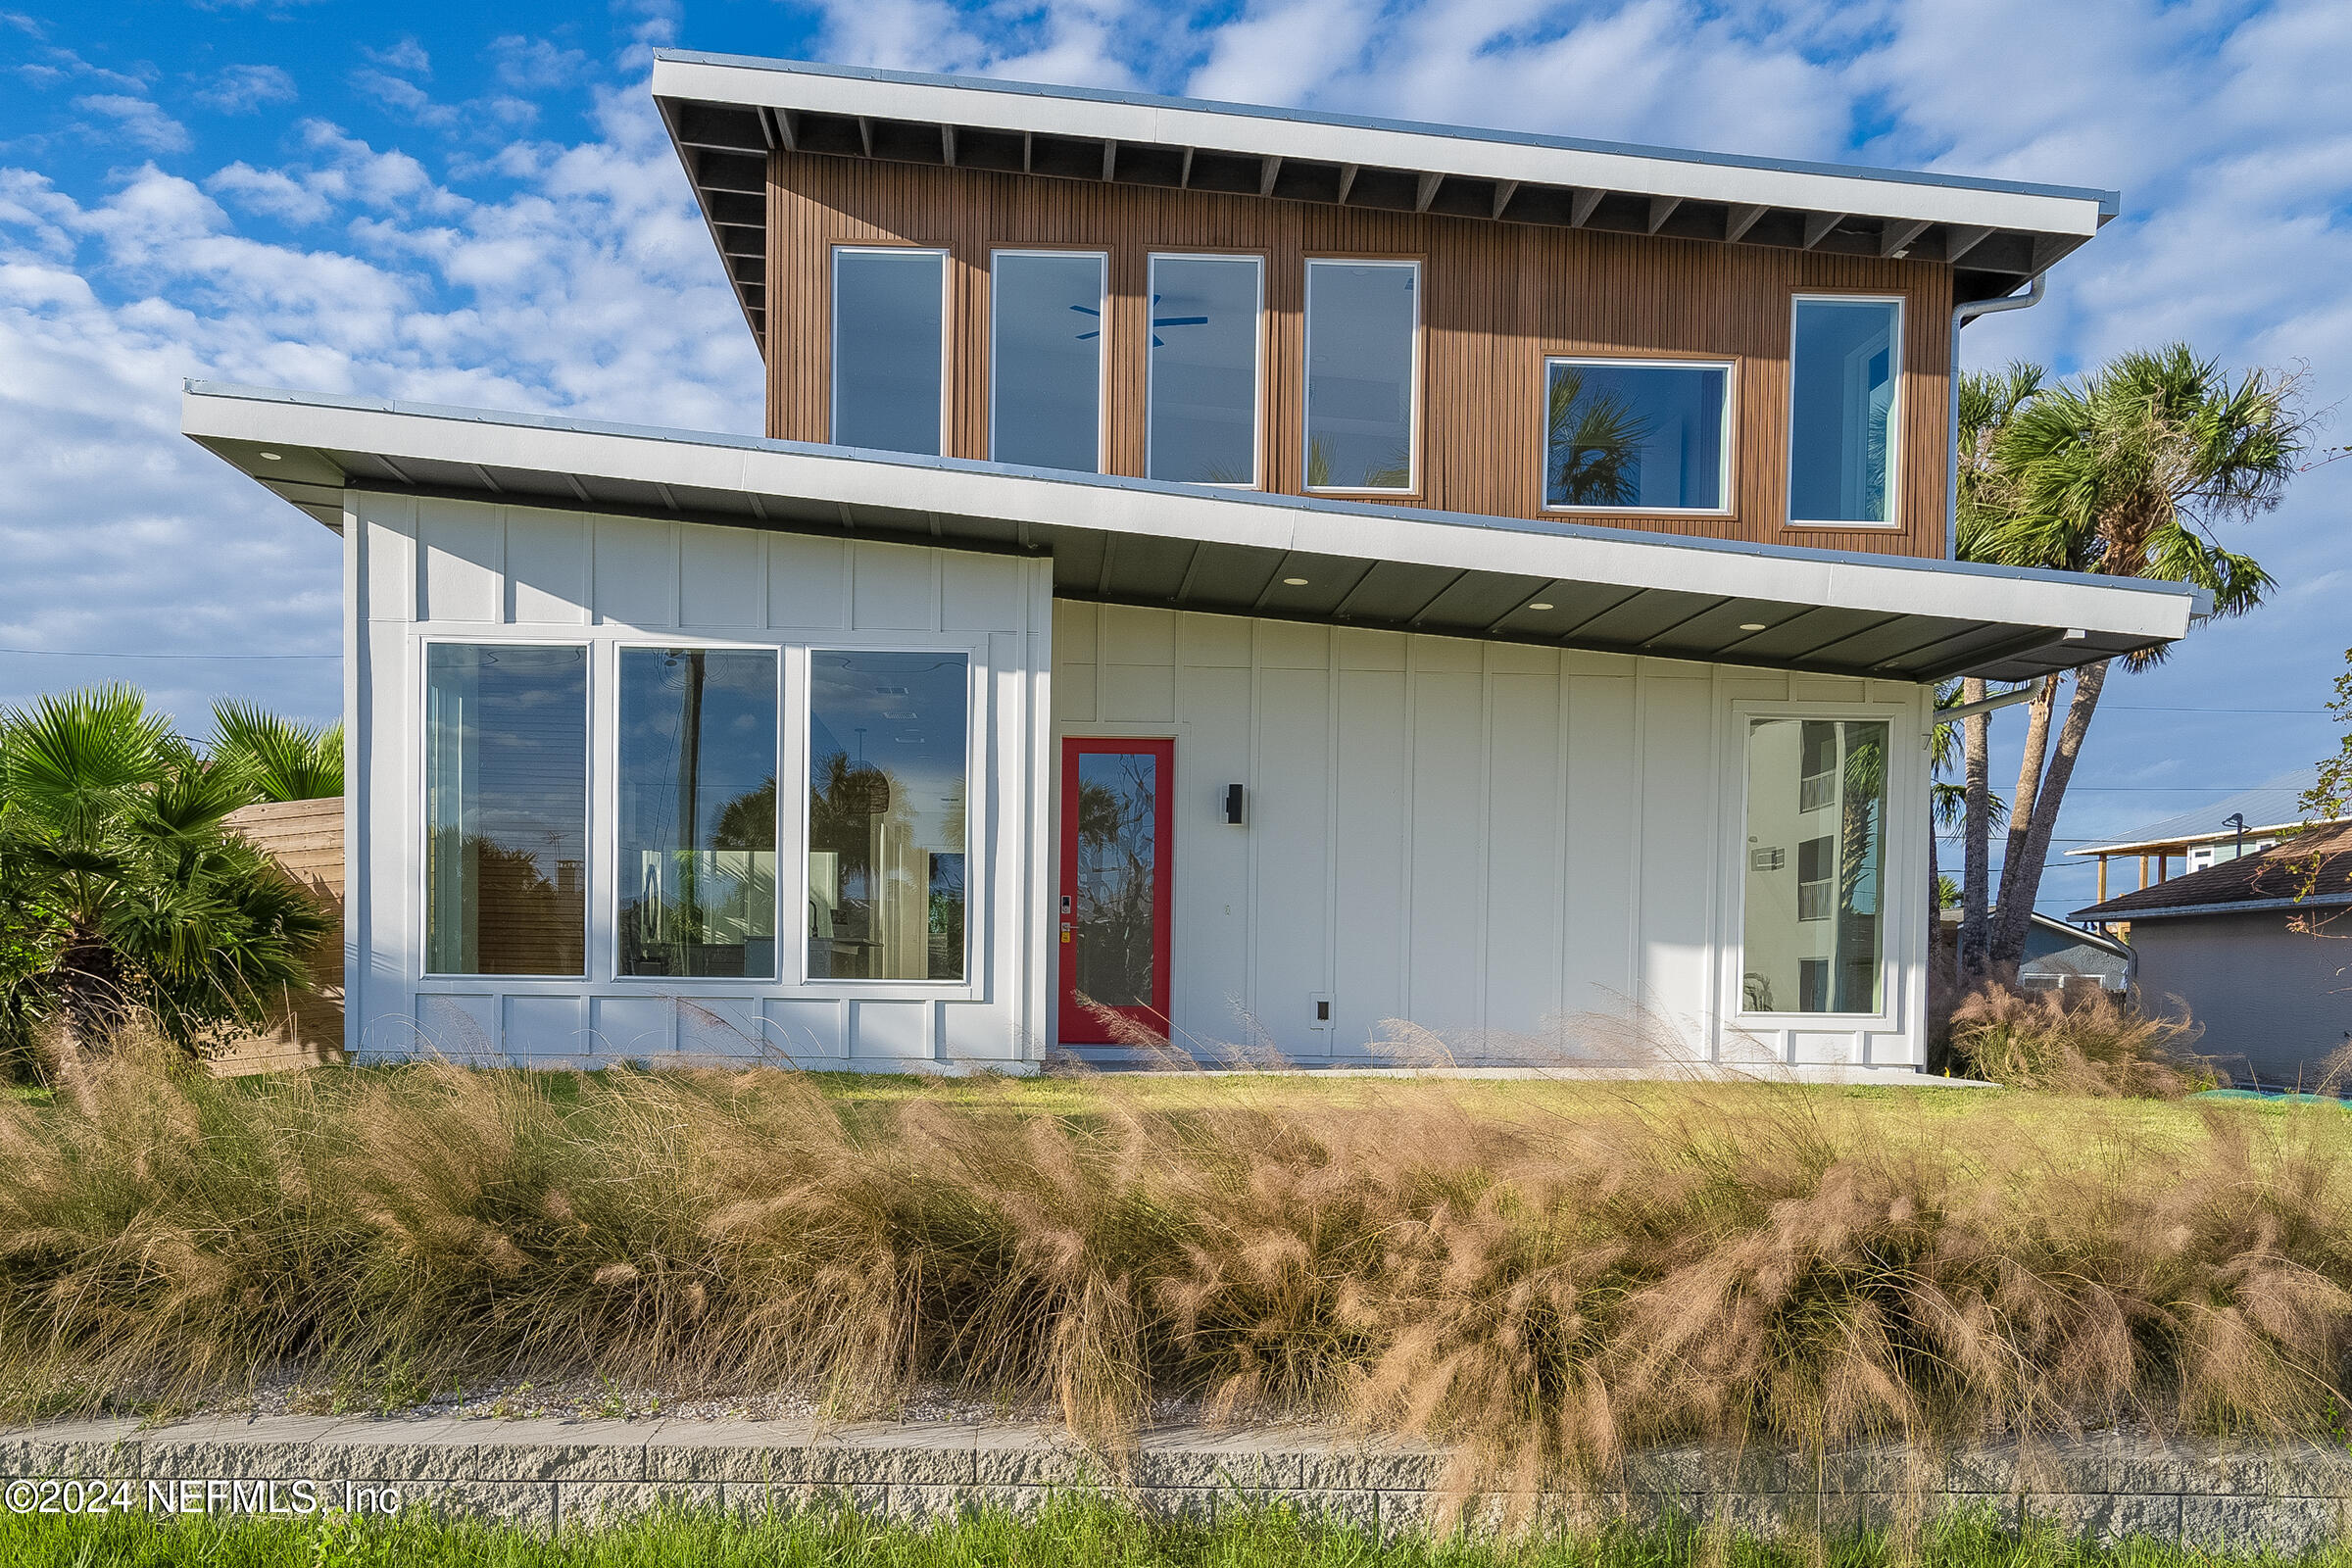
548	1474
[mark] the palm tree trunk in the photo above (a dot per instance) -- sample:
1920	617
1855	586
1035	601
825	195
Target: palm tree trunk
2020	822
2017	893
1975	838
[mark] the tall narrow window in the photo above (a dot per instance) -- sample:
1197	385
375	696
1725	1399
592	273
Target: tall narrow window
1626	434
886	814
1046	360
1842	366
697	812
505	810
1362	326
1202	426
1813	936
889	344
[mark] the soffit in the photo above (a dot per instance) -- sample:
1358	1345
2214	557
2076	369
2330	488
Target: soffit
1141	542
725	113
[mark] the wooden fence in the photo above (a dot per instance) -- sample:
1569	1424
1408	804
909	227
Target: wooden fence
305	1028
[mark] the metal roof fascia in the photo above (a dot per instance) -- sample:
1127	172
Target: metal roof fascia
1471	152
1120	504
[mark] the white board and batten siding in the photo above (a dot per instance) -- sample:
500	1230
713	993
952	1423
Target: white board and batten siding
421	569
1526	853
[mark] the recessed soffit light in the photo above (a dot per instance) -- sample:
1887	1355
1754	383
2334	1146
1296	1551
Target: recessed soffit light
1751	625
1294	582
1539	606
267	457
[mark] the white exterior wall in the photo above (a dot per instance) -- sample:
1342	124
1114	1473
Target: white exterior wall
1513	847
426	570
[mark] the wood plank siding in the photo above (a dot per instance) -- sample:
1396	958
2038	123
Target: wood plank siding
306	1026
1498	299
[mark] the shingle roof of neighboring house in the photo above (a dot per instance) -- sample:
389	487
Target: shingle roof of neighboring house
2280	877
2273	803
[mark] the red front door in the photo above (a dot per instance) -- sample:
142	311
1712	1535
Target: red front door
1113	911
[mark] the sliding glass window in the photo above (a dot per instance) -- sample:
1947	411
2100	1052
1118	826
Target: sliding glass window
887	749
697	812
1813	919
1842	367
1363	333
1045	359
889	349
1202	424
1631	435
505	810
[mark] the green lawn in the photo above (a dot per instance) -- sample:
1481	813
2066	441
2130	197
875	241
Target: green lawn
1072	1536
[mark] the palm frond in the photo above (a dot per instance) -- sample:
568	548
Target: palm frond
284	759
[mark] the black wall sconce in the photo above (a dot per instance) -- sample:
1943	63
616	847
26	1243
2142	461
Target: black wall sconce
1234	797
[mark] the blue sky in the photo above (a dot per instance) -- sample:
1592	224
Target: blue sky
477	205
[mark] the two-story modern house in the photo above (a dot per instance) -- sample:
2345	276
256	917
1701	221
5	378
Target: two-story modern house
1329	586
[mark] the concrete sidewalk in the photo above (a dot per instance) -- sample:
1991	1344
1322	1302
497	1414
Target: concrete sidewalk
549	1474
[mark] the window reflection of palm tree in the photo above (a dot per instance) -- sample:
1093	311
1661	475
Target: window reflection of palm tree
1594	445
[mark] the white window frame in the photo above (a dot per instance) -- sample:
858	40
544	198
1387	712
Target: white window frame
947	332
1102	347
977	847
420	799
1893	522
1258	377
608	796
1307	374
1728	438
1901	1008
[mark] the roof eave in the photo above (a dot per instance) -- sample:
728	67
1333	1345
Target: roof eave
1181	547
726	113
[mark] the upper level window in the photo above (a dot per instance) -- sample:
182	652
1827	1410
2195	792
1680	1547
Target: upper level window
1843	360
889	349
506	808
1812	921
887	747
1362	329
1202	426
1045	359
1637	436
697	812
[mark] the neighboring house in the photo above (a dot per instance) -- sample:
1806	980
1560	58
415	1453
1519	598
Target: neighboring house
2057	953
2246	822
1331	586
2258	948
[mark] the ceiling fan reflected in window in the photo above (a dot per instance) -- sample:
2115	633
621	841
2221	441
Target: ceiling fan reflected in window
1157	321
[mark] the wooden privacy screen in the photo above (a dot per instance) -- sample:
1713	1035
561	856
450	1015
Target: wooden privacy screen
306	1027
1497	299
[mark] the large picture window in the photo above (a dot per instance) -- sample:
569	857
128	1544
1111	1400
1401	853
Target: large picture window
1046	360
889	348
697	812
1813	923
1202	423
1362	331
1844	364
505	810
887	763
1635	435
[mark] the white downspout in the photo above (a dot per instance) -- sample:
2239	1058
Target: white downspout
1962	315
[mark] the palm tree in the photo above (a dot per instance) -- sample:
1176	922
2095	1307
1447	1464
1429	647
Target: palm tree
283	759
113	828
2127	474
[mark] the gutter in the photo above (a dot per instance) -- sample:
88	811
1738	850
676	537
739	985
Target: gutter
2170	911
1962	315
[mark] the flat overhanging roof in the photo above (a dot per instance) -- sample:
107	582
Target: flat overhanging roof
1173	546
725	113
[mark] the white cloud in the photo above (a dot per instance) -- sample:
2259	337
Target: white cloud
271	192
138	121
525	64
407	55
242	89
